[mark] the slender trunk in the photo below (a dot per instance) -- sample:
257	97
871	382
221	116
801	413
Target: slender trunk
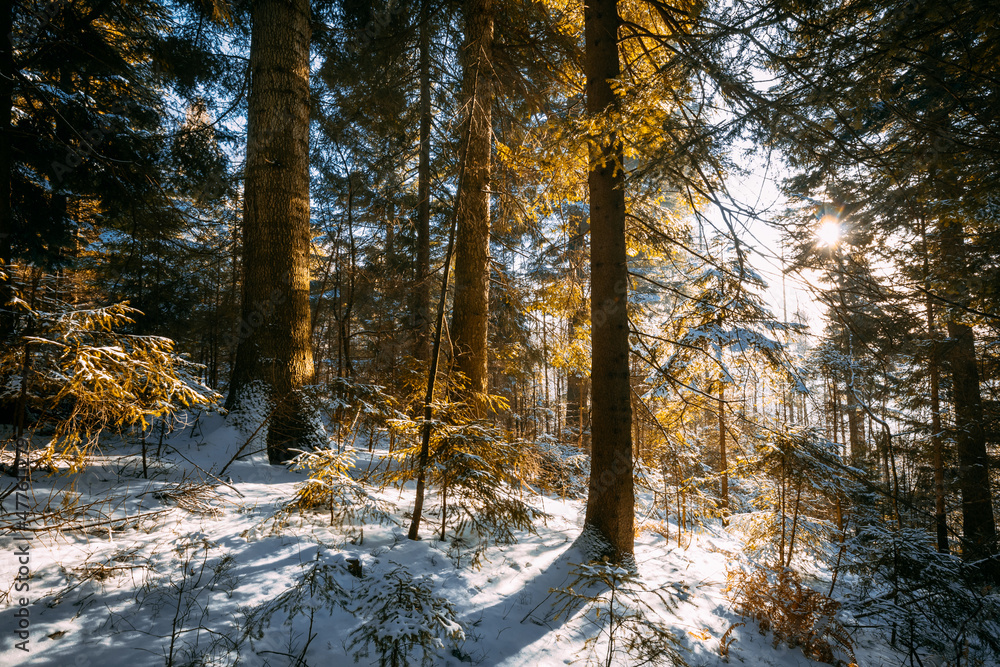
834	416
422	293
679	498
274	347
842	538
855	425
610	499
545	373
937	446
978	523
425	435
575	380
472	241
22	400
444	506
723	463
345	320
6	161
781	514
795	523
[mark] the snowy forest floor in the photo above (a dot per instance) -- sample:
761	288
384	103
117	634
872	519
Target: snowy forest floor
184	568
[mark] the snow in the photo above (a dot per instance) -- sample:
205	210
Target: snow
141	576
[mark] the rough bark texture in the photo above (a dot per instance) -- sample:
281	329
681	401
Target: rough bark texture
472	240
978	523
610	500
422	294
274	343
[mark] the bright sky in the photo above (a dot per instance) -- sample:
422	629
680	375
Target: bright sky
758	190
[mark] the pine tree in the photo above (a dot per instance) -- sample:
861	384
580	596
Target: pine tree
275	348
6	161
470	315
916	152
610	499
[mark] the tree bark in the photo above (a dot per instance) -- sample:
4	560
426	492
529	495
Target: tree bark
978	523
6	161
274	346
723	462
937	447
6	149
422	293
855	425
472	242
610	499
576	382
934	370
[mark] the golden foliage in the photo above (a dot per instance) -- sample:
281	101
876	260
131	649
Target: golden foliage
79	369
661	528
726	640
330	486
797	615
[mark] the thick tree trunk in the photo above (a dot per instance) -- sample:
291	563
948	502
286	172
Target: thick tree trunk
422	293
978	523
610	500
274	342
472	241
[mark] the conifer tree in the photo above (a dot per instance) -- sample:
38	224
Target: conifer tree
6	162
723	333
610	499
274	351
470	315
898	131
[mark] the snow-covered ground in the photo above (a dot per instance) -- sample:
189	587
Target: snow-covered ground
157	571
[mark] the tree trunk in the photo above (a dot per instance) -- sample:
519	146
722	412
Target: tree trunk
937	446
610	499
576	382
855	425
274	347
940	512
472	241
348	302
723	463
6	161
978	523
422	293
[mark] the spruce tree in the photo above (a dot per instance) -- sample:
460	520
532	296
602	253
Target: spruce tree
275	351
610	499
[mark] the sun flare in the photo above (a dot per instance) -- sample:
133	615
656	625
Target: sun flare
829	231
